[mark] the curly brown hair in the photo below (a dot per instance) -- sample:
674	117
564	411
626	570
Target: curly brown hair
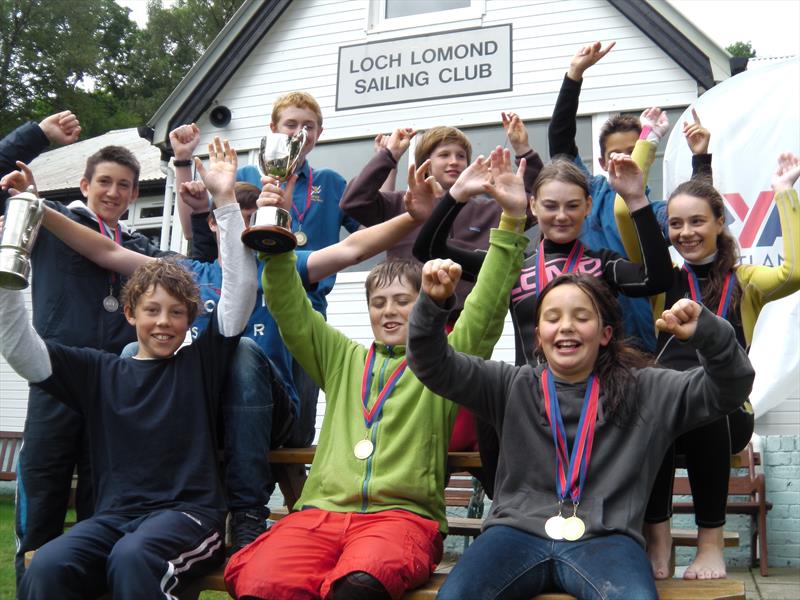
171	276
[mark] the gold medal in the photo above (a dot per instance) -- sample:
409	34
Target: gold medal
574	528
554	527
302	238
363	449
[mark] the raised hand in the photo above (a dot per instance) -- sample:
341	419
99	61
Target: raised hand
585	58
19	181
657	121
472	180
399	141
696	135
61	128
220	177
627	179
380	142
788	171
423	187
195	195
506	186
184	140
439	278
517	133
681	319
273	195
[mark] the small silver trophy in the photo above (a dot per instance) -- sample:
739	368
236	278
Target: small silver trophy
270	230
23	217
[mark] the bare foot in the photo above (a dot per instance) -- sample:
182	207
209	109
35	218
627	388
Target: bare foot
709	562
659	549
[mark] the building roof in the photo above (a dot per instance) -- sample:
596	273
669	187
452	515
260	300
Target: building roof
61	169
676	35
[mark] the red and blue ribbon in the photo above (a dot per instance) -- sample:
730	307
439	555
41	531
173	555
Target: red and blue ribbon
571	472
724	297
383	395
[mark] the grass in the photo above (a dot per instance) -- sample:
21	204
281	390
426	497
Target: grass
7	548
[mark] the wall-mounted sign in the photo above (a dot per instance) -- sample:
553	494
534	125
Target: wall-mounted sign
436	65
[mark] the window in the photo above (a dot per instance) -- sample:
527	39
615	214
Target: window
403	8
393	15
145	216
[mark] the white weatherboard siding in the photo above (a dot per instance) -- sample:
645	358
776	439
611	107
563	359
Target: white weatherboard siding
300	52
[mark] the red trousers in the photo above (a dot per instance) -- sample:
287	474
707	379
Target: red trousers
307	551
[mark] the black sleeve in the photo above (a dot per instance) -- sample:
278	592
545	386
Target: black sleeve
432	239
563	127
204	244
701	167
25	143
655	274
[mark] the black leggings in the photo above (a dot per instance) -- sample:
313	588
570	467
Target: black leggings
708	452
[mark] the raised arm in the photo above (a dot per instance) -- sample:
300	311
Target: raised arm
366	243
698	138
184	140
771	283
94	246
239	274
722	383
654	274
363	199
563	127
20	345
479	384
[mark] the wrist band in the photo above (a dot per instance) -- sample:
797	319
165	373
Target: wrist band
515	224
188	162
646	129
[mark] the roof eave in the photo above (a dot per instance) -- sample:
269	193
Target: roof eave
650	18
197	90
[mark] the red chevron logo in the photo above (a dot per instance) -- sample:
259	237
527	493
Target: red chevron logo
751	218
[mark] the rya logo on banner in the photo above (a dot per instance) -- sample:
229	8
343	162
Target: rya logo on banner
761	216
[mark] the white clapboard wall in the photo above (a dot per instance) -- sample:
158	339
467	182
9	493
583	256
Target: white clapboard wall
300	52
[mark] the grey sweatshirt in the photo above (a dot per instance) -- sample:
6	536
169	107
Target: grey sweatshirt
624	459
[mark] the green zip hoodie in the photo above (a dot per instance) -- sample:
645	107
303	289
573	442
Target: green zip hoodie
408	467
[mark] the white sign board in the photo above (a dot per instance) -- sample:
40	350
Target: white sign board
437	65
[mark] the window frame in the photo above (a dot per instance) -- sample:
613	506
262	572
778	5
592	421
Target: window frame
377	23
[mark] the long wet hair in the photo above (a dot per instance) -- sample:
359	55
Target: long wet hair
615	360
727	257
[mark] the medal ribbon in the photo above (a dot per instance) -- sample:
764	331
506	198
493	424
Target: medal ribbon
366	383
117	237
573	260
697	296
571	473
300	216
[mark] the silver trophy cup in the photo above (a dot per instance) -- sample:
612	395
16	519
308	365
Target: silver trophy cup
23	217
270	230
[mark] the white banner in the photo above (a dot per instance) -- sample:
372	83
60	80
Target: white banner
437	65
753	117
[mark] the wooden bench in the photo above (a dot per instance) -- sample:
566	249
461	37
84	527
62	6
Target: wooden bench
10	444
746	495
668	589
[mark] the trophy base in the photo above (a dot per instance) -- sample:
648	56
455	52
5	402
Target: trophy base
14	270
271	239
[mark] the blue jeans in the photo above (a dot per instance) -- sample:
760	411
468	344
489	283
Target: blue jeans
302	434
255	409
507	563
256	416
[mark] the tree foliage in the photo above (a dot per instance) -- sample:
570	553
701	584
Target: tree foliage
744	49
89	57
